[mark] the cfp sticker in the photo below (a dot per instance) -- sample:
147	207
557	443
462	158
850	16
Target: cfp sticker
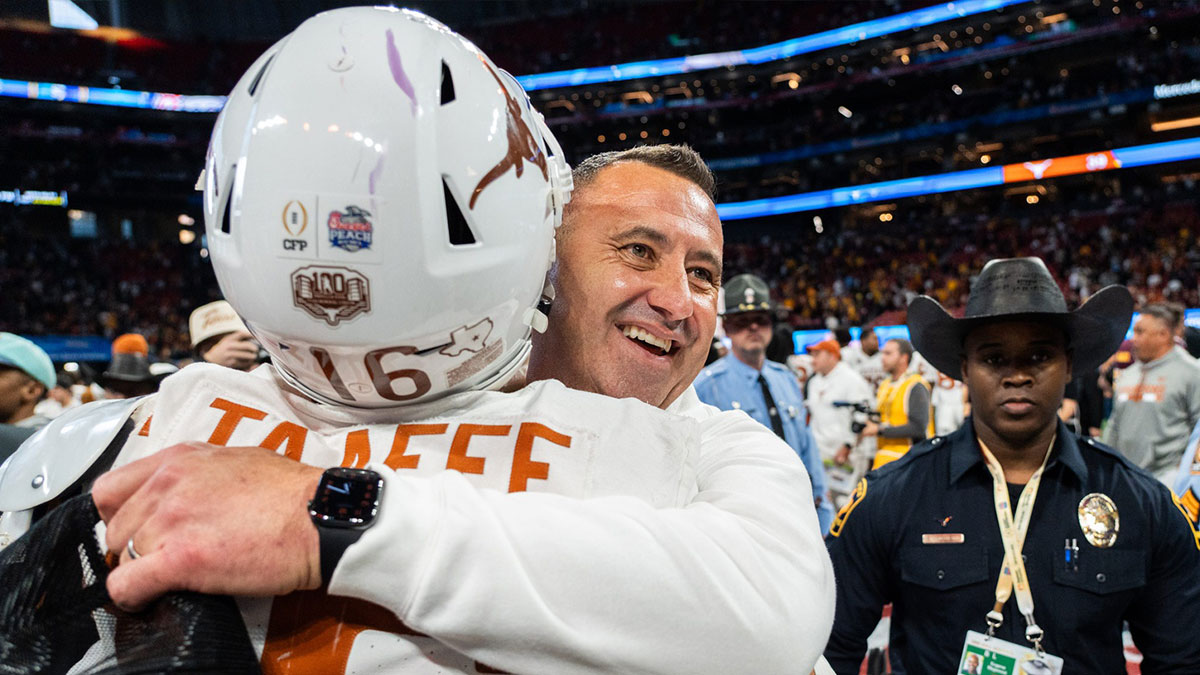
295	223
333	294
351	230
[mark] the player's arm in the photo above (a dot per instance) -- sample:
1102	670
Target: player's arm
1165	613
737	581
857	544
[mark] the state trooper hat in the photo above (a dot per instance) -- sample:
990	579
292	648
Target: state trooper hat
746	293
1021	289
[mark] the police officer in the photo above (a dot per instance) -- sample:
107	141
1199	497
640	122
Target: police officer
1087	540
767	391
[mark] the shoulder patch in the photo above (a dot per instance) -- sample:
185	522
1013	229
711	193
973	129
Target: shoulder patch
856	497
1189	506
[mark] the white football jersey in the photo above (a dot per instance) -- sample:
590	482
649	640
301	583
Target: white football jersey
543	438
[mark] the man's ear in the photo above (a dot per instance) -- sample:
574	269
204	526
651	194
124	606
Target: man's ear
32	391
962	367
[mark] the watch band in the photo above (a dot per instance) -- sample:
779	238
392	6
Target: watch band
333	543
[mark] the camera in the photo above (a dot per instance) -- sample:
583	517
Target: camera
862	413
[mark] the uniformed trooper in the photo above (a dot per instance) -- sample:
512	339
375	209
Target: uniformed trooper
1013	543
767	391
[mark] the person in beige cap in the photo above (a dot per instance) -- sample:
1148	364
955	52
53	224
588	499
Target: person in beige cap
219	336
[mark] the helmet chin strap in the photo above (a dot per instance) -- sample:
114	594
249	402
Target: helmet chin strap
535	317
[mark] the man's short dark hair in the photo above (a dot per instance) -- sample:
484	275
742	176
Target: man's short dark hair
1177	312
842	335
869	330
1164	313
904	346
680	160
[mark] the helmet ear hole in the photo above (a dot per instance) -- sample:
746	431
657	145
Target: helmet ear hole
447	84
456	223
259	76
226	225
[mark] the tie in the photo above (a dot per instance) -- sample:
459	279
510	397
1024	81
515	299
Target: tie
772	411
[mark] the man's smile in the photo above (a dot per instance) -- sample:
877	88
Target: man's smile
661	346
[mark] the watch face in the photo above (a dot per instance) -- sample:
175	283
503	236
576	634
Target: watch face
347	497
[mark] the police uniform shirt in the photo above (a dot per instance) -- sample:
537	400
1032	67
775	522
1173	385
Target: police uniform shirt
921	533
730	384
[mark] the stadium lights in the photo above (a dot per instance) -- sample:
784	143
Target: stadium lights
49	91
773	52
1120	158
845	112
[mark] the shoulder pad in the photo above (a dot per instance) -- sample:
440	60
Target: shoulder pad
51	460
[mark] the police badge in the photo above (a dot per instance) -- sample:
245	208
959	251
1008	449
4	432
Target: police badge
1099	520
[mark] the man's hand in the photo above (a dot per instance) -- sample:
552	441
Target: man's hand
236	350
872	429
210	519
842	456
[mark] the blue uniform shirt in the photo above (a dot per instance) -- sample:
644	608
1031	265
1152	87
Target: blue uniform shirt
730	384
1187	481
921	533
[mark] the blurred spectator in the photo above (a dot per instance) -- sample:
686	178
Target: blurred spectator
129	373
26	374
59	398
219	336
832	390
1178	327
903	404
947	397
1156	400
865	358
767	391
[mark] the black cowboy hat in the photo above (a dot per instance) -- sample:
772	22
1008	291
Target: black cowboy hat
1021	289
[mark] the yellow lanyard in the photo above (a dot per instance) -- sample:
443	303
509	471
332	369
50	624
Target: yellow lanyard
1012	533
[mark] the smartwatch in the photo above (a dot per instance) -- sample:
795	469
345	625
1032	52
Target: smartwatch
345	505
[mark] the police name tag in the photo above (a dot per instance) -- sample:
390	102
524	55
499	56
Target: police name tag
982	655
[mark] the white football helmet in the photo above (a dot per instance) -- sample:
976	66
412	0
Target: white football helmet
380	203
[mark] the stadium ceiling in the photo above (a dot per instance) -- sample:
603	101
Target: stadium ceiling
248	20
